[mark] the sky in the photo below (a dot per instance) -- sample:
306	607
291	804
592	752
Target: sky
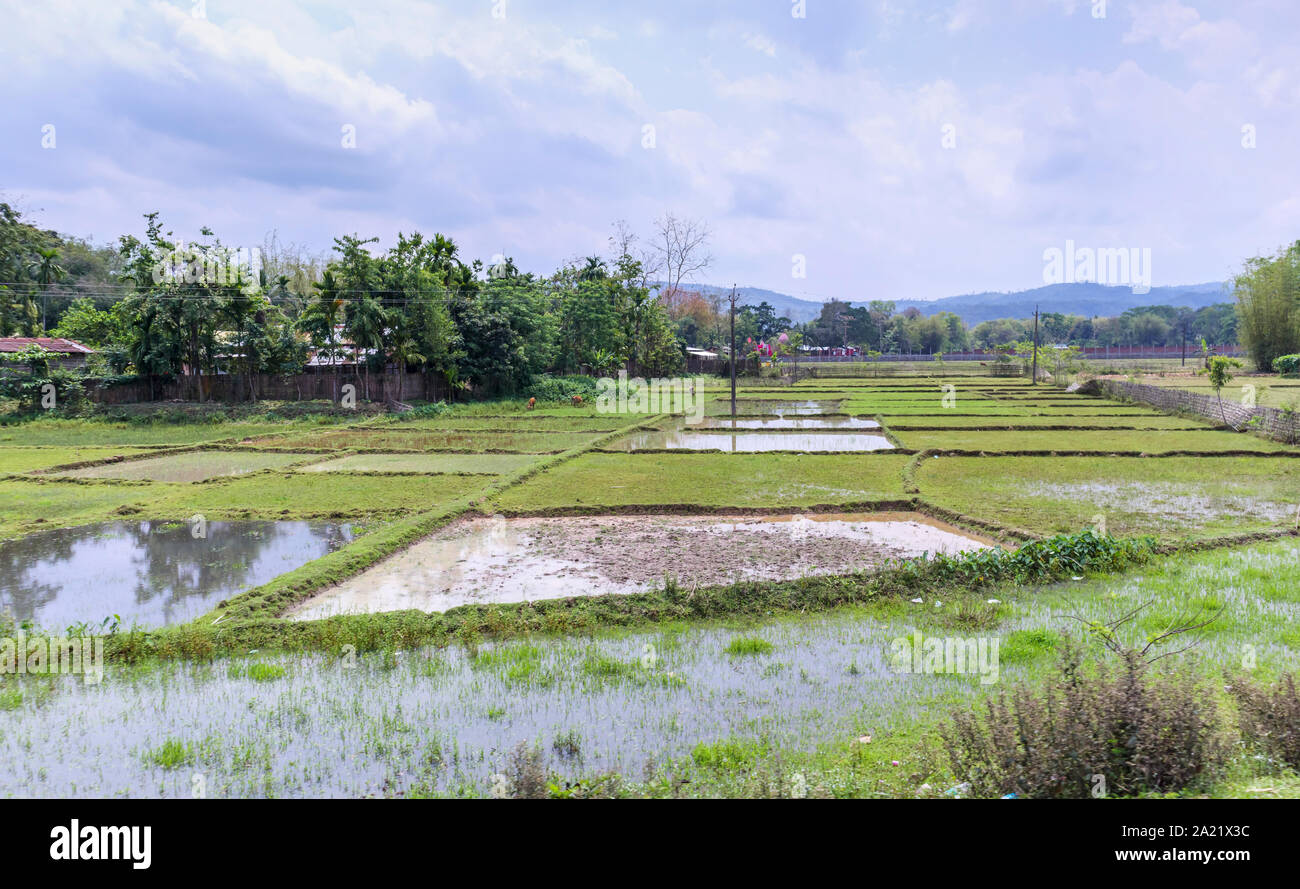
877	149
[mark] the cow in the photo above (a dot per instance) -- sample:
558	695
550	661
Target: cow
577	400
532	403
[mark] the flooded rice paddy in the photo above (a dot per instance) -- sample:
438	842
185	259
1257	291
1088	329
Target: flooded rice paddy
192	467
1180	504
775	407
150	573
686	438
764	426
444	721
491	464
840	422
513	560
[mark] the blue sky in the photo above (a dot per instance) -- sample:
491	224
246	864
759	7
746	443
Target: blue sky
519	127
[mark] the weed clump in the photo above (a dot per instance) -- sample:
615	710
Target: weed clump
748	645
1121	732
171	754
1269	716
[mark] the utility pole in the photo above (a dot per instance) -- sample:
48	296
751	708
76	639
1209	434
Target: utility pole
1033	380
733	351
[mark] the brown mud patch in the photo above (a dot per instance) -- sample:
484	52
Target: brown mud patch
493	559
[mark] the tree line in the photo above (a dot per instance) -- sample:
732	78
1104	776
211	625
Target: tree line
157	307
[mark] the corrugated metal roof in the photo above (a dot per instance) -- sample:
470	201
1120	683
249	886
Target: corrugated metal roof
48	343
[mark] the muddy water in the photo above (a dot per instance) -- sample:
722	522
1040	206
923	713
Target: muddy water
149	573
513	560
752	442
788	423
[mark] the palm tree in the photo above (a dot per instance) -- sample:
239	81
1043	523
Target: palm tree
404	352
594	270
364	321
321	319
638	304
145	344
47	272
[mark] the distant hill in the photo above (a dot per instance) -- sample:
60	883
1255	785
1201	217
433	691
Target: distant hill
791	307
1070	299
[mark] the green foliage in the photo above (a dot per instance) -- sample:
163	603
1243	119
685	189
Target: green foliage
748	645
561	389
1268	304
1034	562
91	326
1120	732
1221	371
1270	717
36	381
171	754
1287	364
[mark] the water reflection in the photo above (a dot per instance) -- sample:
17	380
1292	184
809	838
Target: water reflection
751	442
788	423
150	573
779	408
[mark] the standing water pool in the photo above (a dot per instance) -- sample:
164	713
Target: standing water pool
150	573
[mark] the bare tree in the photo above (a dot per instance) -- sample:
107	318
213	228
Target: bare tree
623	244
681	247
1108	632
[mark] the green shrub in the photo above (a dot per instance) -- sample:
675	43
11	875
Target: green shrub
1120	732
1034	562
548	388
1287	364
428	411
1270	717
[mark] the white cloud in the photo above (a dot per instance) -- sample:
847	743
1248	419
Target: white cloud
760	43
524	134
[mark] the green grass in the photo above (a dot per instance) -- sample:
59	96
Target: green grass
742	646
1171	497
25	459
389	439
953	420
430	463
31	506
529	422
872	751
77	433
171	754
1150	441
258	671
316	495
743	480
1271	390
188	467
